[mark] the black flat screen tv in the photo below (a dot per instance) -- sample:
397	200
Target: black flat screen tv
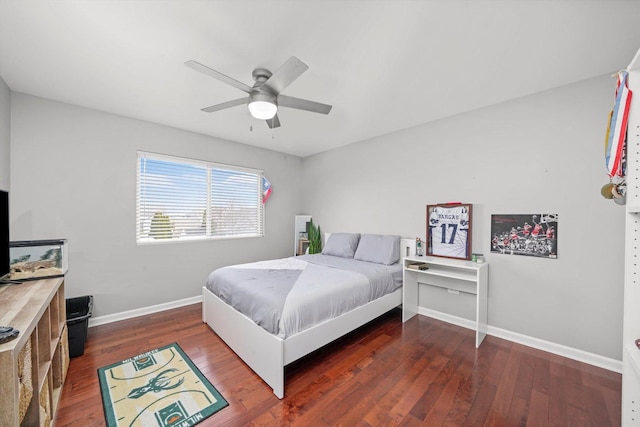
4	235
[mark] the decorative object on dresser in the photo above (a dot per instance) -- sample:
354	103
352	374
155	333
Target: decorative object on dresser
33	366
419	247
36	259
449	230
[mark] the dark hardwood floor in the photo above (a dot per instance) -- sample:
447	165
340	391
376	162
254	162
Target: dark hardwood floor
423	372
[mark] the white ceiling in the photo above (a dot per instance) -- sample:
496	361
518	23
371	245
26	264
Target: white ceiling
383	65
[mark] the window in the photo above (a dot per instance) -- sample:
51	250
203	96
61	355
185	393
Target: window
184	199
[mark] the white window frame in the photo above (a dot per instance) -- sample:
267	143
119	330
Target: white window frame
147	207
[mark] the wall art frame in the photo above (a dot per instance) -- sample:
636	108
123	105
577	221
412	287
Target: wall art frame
449	230
534	235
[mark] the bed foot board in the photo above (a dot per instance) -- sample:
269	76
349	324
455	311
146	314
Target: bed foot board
266	354
260	350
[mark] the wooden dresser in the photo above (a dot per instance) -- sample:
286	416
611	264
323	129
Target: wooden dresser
33	366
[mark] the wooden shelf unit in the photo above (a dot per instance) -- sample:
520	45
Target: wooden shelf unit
458	275
34	365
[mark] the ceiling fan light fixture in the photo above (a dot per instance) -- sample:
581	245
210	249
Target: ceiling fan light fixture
262	107
263	110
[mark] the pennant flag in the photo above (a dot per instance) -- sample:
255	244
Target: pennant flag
266	190
617	129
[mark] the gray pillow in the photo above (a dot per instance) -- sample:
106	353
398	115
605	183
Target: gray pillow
378	248
341	244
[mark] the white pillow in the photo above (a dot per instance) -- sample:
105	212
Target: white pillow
341	244
381	249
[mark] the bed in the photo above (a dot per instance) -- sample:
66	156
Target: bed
273	317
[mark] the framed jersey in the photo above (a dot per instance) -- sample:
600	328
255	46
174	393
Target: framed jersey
449	230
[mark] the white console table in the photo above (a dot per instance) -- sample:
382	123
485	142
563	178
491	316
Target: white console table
456	275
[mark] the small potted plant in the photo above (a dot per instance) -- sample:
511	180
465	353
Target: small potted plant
315	238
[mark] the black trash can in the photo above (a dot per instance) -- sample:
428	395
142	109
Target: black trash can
79	310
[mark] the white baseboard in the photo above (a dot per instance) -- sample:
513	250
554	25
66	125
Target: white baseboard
561	350
460	321
95	321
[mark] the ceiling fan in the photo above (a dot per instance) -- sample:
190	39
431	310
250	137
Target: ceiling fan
264	96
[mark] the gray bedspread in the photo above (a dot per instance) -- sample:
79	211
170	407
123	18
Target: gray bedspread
288	295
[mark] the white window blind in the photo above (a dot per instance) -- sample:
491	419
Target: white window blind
184	199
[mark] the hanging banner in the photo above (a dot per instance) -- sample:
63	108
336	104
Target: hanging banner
617	129
266	190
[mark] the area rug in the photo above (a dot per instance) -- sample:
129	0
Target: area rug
161	387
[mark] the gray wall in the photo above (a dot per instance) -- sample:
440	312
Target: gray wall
5	134
73	176
539	154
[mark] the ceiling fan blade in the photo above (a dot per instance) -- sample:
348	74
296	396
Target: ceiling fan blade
217	75
224	105
303	104
274	122
285	75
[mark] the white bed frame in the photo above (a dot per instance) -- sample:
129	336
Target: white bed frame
268	354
